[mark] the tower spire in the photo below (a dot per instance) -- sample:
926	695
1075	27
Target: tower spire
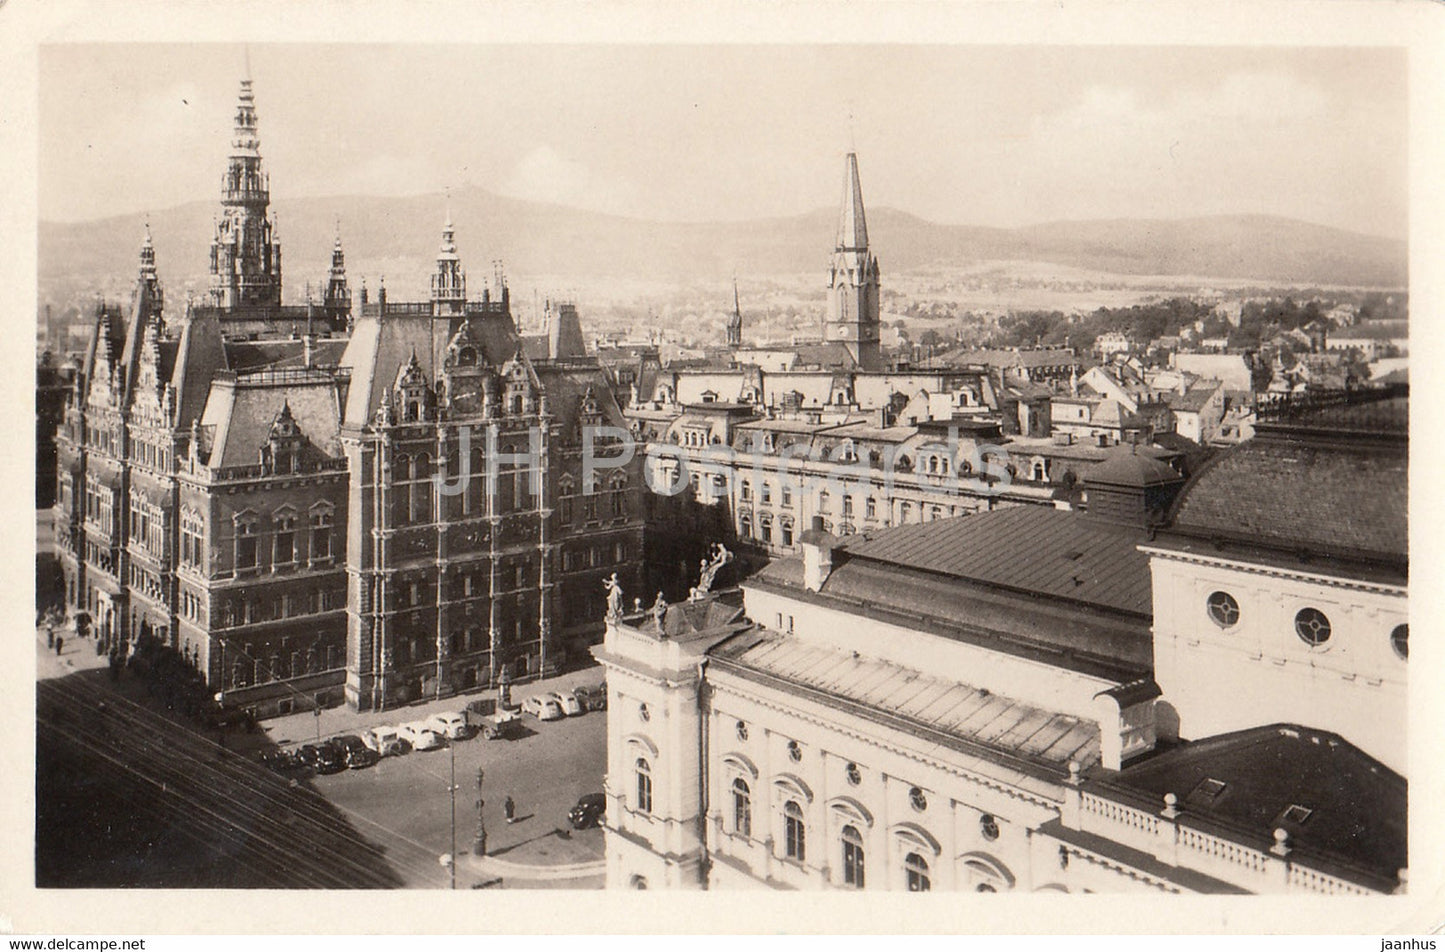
735	319
245	255
852	224
853	280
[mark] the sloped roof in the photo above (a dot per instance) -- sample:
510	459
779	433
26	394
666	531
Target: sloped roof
200	355
826	354
242	415
380	346
1024	548
1357	806
1340	498
892	693
1195	398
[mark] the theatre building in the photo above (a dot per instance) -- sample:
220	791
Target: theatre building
1043	699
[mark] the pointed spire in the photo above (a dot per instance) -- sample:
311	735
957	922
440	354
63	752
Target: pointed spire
147	253
852	225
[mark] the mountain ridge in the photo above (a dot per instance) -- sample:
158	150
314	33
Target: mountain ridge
398	236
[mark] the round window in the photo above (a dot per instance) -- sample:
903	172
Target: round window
643	712
1400	641
1223	609
854	775
988	826
795	751
1312	626
742	731
917	799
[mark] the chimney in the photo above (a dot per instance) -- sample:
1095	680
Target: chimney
817	545
308	355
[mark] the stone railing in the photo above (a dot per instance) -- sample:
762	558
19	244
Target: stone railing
1163	836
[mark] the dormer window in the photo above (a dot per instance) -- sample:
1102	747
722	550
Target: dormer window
1296	814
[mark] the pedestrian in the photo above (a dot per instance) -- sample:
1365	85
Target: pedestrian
49	637
510	809
59	645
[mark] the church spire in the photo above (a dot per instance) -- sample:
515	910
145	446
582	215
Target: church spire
852	225
735	320
853	280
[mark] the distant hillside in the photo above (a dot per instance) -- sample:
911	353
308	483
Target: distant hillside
398	237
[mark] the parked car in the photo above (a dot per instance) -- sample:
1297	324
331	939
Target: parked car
588	811
384	740
355	751
452	725
283	762
568	703
323	758
421	736
502	725
592	697
543	707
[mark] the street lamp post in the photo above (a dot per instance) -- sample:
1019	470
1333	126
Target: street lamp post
479	843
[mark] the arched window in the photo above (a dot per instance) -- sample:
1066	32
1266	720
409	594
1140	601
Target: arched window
644	785
852	857
742	808
794	832
915	867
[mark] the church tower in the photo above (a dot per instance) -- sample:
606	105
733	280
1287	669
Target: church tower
245	255
735	321
853	279
337	302
449	283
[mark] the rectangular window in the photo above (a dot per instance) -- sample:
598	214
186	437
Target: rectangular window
245	546
870	508
285	542
320	536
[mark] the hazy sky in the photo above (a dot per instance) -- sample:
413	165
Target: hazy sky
970	135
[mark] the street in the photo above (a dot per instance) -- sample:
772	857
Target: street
130	793
544	772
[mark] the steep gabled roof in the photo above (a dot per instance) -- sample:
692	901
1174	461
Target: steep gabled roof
200	356
242	415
